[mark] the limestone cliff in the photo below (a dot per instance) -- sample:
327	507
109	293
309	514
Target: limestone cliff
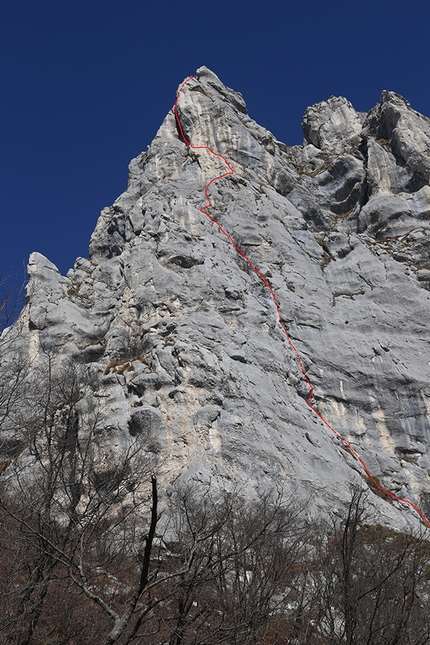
184	338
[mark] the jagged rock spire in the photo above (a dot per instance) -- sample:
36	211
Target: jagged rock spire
184	340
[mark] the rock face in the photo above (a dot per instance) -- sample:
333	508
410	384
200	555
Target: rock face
184	337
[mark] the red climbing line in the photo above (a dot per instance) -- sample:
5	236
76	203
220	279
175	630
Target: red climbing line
203	210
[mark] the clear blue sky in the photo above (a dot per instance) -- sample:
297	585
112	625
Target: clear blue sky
86	84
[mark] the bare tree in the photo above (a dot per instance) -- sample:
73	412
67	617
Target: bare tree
74	536
239	562
214	570
64	518
373	583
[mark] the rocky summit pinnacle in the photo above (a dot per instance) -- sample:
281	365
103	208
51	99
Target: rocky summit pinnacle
183	339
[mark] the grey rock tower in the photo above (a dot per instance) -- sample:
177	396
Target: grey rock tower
184	339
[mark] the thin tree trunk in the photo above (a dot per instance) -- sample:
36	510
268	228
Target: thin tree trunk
123	621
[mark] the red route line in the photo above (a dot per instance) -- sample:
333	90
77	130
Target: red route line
203	210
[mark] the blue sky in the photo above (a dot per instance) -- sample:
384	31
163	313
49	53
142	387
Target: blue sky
85	86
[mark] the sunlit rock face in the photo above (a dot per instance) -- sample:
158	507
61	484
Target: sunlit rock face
183	339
